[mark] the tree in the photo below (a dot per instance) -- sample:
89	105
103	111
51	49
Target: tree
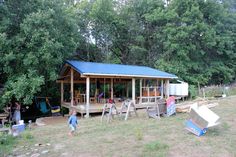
193	39
196	46
36	37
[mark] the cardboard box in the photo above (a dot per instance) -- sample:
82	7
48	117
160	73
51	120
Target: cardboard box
201	118
204	117
194	128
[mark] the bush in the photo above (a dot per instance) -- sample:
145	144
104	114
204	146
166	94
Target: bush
7	142
27	136
192	91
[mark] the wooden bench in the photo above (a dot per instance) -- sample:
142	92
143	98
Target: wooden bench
3	118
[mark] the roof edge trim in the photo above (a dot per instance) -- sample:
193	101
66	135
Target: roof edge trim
140	76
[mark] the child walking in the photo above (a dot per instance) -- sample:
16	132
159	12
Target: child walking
72	121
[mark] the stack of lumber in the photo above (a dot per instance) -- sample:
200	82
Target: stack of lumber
185	106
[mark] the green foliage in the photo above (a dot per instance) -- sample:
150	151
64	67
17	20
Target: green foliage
35	39
193	39
193	92
27	136
7	143
193	46
212	91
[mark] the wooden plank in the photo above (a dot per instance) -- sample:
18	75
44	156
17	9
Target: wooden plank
91	81
183	108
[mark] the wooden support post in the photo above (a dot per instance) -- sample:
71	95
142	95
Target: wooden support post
62	92
162	88
155	89
167	88
87	96
158	90
133	90
140	91
112	88
72	86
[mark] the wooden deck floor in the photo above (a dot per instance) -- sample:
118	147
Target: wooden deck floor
95	108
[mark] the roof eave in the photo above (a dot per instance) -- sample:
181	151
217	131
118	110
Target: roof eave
123	75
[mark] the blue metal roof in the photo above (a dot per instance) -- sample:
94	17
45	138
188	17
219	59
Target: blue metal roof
104	69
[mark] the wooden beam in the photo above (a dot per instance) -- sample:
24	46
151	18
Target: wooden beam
87	96
91	81
72	86
133	90
62	92
103	76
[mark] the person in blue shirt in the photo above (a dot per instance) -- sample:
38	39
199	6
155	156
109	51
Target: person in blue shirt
73	122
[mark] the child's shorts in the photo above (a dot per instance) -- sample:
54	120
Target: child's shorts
72	128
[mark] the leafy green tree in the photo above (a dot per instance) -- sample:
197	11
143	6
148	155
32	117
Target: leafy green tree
193	39
198	46
36	36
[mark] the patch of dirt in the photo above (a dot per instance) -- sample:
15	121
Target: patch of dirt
54	120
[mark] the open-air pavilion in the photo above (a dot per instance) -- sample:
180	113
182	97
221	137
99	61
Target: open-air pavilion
89	85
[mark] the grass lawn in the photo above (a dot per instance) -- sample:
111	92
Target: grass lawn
139	136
